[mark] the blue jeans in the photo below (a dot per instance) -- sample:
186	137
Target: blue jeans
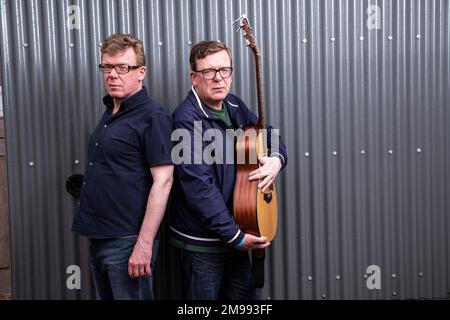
213	276
109	266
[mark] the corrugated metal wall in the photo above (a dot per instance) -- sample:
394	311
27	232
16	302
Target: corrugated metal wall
359	89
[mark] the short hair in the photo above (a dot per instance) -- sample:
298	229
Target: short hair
121	42
205	48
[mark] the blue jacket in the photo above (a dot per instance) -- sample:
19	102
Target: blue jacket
202	194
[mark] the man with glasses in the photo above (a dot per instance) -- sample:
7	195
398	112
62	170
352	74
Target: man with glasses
128	177
210	245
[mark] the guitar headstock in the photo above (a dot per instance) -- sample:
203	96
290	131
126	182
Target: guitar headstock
248	34
251	42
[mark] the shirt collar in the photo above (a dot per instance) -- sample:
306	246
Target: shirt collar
129	102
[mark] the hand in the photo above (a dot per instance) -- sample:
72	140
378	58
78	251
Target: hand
139	262
271	166
254	242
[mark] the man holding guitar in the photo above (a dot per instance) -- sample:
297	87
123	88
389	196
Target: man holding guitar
212	248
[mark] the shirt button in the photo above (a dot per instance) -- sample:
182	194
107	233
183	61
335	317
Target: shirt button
105	125
91	164
96	144
84	183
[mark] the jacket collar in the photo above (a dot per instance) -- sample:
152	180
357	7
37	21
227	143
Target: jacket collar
197	102
203	111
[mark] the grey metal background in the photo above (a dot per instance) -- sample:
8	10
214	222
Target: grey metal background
364	113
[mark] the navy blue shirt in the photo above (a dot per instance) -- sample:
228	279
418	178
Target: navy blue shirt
117	181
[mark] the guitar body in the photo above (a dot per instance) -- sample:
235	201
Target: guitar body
256	212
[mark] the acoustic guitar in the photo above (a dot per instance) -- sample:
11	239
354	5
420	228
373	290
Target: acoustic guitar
256	212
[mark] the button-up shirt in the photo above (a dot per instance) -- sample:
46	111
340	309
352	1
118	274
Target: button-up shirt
117	181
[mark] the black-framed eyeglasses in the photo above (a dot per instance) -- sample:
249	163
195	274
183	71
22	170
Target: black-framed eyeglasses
120	68
210	74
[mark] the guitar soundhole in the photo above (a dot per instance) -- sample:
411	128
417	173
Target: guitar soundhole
268	197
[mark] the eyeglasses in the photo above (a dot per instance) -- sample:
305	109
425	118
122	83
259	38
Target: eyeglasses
210	74
120	68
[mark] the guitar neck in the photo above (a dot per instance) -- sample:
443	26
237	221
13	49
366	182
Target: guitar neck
261	117
251	42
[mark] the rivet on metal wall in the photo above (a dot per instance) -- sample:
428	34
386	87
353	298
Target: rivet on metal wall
390	151
269	298
76	162
71	45
338	277
305	40
333	39
363	152
307	154
420	274
189	43
418	37
160	43
324	296
390	37
335	153
309	278
365	276
31	164
361	38
25	45
394	276
394	293
419	150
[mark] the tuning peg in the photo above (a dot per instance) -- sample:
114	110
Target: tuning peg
240	20
237	20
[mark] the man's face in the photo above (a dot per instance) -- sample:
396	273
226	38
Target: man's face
212	92
122	86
